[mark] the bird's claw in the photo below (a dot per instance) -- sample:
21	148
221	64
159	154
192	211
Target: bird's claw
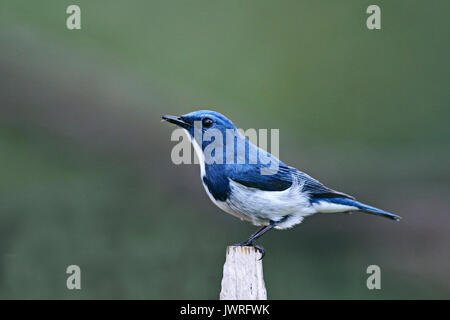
254	245
260	249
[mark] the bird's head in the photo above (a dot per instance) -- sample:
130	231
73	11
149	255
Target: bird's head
205	127
201	120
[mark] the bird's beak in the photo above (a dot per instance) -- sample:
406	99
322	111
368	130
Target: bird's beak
176	120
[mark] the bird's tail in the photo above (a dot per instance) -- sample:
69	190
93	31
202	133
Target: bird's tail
362	207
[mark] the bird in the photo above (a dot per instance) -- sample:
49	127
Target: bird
278	198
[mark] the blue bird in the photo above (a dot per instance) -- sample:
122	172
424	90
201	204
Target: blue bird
280	197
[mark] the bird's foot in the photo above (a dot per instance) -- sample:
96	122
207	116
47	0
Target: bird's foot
254	245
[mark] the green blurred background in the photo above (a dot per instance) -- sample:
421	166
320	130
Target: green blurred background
85	168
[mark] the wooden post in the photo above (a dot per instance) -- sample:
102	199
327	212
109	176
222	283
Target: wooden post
243	275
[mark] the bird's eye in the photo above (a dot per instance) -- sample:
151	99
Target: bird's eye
207	122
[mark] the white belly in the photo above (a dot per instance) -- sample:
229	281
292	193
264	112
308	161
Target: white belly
262	207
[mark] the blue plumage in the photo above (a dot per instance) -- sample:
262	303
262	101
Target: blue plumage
252	184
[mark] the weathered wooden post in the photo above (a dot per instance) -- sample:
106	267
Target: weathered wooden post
243	275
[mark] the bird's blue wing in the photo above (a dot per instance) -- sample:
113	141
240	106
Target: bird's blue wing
250	176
